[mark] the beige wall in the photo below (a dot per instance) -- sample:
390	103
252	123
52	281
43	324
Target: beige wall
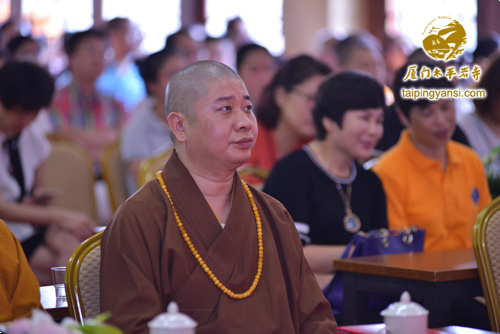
304	19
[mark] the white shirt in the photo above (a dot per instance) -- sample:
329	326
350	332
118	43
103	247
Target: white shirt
144	135
33	150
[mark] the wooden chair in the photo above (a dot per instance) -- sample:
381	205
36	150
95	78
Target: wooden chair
149	167
69	169
113	173
82	279
254	175
487	251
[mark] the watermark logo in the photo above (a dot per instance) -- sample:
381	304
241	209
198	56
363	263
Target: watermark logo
444	39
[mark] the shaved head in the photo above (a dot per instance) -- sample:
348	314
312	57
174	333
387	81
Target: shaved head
192	83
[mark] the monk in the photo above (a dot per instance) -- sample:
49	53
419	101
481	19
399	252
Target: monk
227	254
19	288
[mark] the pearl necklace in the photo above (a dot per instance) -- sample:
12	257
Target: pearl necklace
202	263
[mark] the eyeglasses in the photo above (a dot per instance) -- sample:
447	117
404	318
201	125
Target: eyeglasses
307	96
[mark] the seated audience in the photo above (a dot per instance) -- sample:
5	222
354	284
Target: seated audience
392	122
482	127
285	112
221	50
23	48
431	181
256	66
8	30
183	43
19	288
146	133
327	53
79	111
487	46
236	32
329	195
48	235
395	54
121	78
226	253
362	52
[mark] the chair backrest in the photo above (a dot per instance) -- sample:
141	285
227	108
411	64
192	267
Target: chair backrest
149	166
254	175
69	170
487	251
113	173
82	279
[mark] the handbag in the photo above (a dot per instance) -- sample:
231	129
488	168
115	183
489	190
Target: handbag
375	242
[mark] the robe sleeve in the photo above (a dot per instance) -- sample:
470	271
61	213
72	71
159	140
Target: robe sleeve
313	312
19	288
131	283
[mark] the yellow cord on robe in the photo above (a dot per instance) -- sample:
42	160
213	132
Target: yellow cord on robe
200	260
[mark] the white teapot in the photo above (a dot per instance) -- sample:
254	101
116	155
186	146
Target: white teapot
405	317
172	322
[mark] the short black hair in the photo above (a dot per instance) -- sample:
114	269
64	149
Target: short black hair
349	90
290	74
26	86
117	23
429	83
149	66
16	42
243	52
487	45
74	39
172	39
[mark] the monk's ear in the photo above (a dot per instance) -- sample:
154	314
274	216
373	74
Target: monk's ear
177	123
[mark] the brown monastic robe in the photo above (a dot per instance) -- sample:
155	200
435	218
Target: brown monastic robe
146	263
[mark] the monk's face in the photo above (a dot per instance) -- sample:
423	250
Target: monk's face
223	131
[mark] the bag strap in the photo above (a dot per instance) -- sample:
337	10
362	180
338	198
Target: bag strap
356	240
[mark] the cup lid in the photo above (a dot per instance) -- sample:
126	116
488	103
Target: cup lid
172	319
404	308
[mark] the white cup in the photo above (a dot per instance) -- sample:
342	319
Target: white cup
58	278
405	317
172	322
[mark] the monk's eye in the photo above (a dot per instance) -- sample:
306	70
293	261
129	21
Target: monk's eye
226	108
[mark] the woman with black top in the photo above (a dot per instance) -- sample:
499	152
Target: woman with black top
328	193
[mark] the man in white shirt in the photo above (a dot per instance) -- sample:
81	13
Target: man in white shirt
48	235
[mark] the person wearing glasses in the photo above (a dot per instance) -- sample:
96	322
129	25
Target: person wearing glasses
285	111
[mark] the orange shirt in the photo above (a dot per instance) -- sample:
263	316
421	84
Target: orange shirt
19	288
264	153
419	192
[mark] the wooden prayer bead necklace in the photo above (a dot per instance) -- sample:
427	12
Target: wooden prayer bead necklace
200	260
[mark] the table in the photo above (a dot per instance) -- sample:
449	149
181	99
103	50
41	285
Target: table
434	278
380	329
56	308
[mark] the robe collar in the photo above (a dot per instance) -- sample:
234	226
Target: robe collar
220	248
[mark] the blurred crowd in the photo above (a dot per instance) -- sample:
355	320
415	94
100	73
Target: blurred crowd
109	93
